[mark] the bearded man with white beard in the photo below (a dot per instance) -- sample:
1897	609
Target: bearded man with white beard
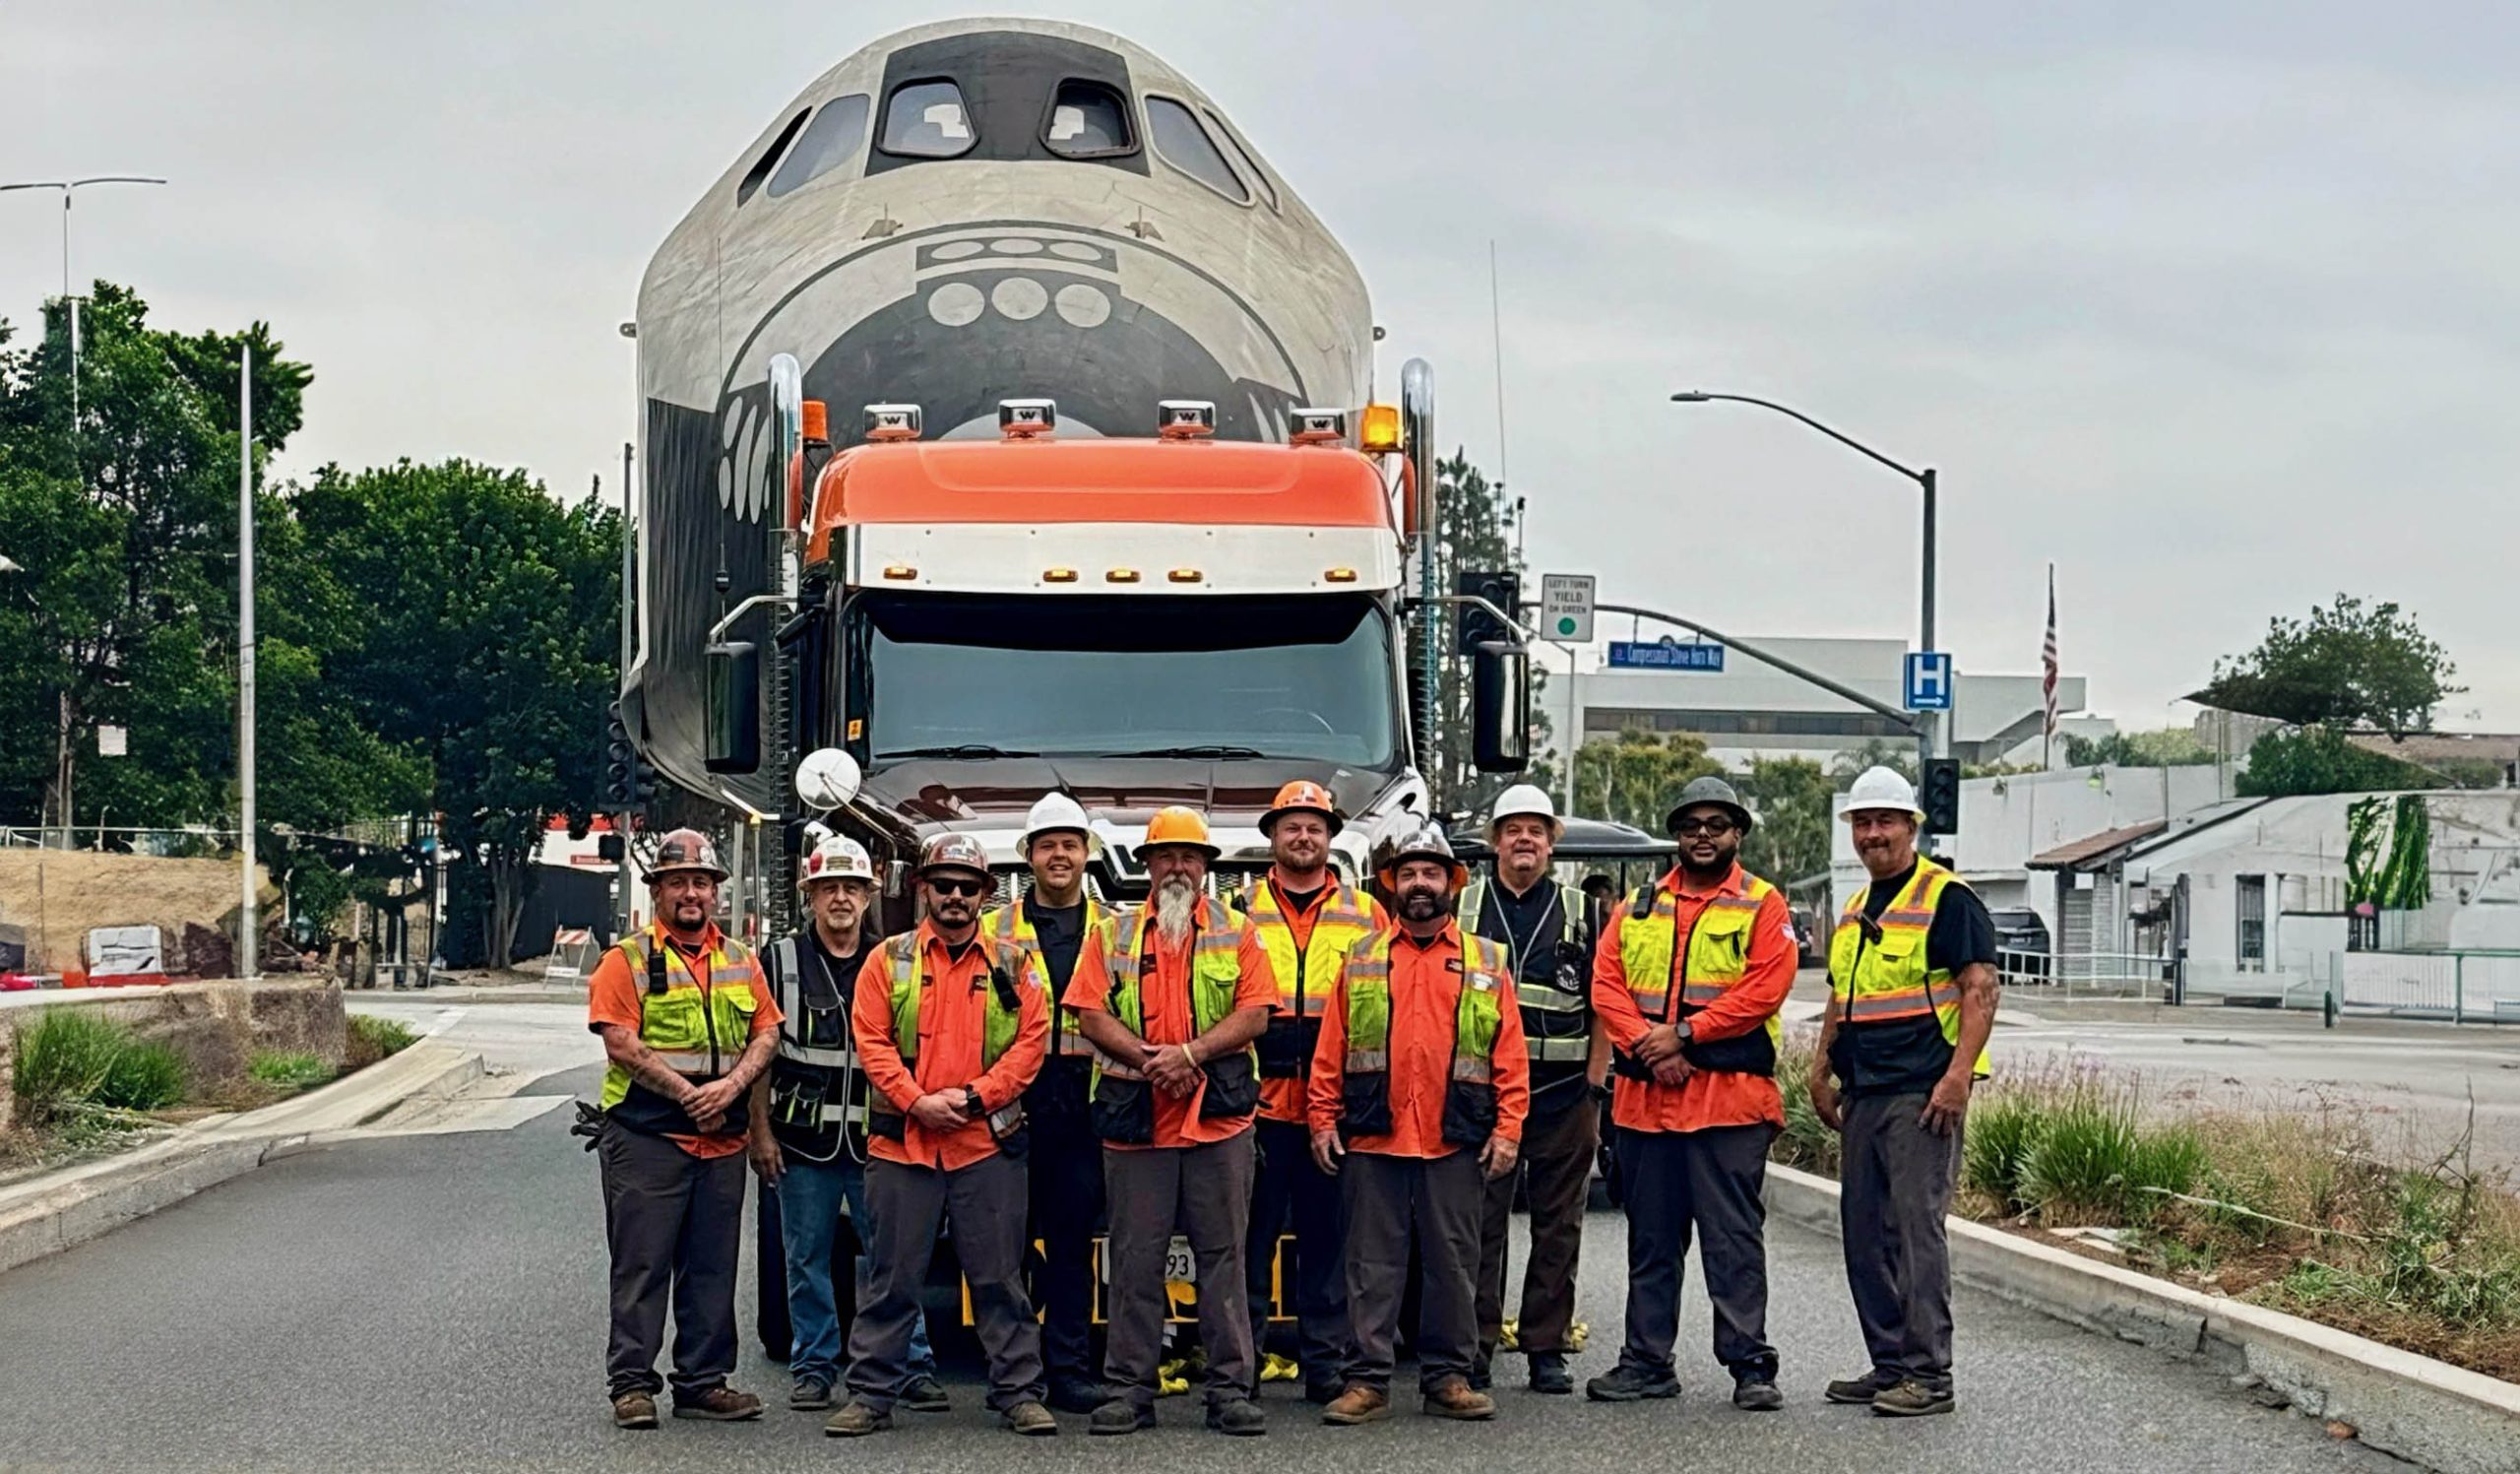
1171	997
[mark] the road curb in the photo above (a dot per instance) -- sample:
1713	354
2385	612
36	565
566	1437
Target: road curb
50	1214
2443	1417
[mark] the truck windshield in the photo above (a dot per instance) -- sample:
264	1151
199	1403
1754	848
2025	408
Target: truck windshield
1303	677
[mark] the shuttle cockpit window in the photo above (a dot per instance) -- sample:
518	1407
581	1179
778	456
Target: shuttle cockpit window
1186	147
760	169
1088	120
1241	158
830	140
928	120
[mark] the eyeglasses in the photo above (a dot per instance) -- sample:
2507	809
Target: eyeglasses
959	887
1716	828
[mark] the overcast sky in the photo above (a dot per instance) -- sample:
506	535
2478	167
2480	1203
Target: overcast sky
2213	304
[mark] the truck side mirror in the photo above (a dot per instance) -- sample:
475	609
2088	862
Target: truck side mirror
734	707
1500	704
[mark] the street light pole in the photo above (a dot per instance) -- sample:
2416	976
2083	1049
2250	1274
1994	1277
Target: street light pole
1929	733
249	962
69	303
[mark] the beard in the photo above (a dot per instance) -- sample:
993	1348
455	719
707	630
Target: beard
1420	905
1176	906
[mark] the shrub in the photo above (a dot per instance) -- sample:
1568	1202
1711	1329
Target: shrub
145	1076
372	1039
2078	1168
2002	1129
64	1059
290	1069
2168	1160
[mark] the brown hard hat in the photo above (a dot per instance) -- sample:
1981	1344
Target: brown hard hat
685	849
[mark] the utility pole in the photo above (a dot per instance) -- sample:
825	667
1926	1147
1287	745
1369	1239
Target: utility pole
249	963
69	303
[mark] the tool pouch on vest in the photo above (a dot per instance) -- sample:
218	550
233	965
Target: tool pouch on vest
1125	1111
1011	1129
1233	1087
1364	1106
1470	1113
885	1122
797	1098
1286	1048
1750	1054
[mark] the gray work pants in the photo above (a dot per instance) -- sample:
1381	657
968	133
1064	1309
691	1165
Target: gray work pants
1393	1203
674	1224
1205	1194
984	1202
1708	1181
1897	1186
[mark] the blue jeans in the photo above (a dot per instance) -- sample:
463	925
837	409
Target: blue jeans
810	1196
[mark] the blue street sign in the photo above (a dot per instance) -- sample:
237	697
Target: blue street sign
1928	680
1664	654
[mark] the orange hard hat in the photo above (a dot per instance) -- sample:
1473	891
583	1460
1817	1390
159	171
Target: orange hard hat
1177	824
1301	795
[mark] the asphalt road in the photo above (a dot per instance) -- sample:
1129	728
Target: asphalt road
436	1302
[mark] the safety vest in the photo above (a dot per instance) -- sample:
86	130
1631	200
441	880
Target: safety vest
1341	920
1011	924
699	1033
1718	955
1470	1094
1558	1023
1890	979
816	1081
1123	1108
1011	970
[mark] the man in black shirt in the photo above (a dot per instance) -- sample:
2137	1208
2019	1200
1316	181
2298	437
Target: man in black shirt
1546	927
808	1133
1912	1001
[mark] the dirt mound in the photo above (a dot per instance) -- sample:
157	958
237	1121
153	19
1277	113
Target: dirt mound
58	896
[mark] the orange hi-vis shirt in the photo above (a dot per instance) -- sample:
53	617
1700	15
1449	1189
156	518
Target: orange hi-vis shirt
1709	1098
953	1011
1164	1001
1284	1099
614	992
1425	1003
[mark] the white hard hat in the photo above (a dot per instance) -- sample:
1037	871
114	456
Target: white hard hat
837	856
1052	812
1882	788
1524	798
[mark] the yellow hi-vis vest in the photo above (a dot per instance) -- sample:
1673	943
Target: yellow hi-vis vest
1890	980
1012	925
1305	975
1716	958
700	1035
1470	1095
1557	1025
1011	970
1123	1108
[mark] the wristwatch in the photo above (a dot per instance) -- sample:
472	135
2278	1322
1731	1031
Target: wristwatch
971	1102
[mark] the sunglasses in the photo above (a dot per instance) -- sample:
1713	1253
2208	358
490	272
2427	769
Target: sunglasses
959	887
1717	826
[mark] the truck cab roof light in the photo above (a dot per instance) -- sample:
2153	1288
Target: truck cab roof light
1026	418
1317	426
1058	575
900	571
1121	576
1184	575
892	423
1380	430
1339	575
1185	419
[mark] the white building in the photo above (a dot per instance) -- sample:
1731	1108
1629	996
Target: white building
1746	708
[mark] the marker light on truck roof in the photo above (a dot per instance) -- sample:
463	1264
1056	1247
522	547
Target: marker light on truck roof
1121	576
1183	575
892	421
1058	575
1185	419
902	571
1026	418
1339	575
1380	430
1317	426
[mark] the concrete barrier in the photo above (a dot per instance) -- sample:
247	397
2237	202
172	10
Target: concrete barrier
216	1027
2427	1411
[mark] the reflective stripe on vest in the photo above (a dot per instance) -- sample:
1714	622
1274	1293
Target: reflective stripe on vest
1892	978
698	1034
1340	920
1477	1019
1215	975
1012	925
792	1004
1539	997
1718	953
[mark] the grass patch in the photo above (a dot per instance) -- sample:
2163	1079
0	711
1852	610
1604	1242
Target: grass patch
290	1069
372	1039
70	1062
145	1076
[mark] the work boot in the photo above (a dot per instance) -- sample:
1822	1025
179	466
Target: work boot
855	1421
1454	1397
1858	1391
1359	1404
634	1410
1911	1398
1238	1416
1626	1383
1118	1417
1550	1374
810	1394
719	1404
924	1394
1073	1395
1755	1392
1029	1419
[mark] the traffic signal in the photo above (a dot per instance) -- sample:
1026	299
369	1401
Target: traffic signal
1939	797
620	764
1474	626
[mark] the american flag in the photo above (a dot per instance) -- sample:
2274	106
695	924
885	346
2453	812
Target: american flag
2047	656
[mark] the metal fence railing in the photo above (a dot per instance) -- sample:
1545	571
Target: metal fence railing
2096	975
2461	986
203	841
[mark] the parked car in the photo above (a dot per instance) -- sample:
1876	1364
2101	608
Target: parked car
2022	944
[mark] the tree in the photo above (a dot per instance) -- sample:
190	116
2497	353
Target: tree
2320	761
1636	778
2346	665
1876	752
1792	798
2170	748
